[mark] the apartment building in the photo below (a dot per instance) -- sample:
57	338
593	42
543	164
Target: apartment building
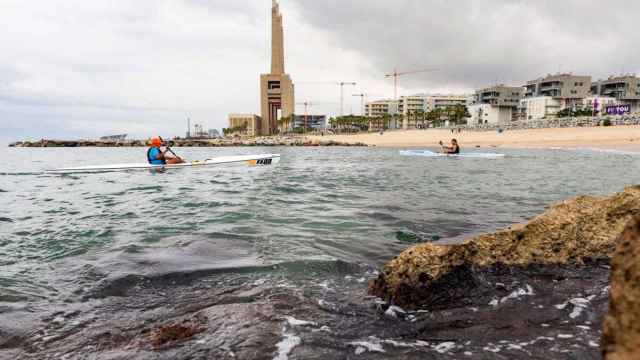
625	89
411	105
561	86
429	102
499	95
495	105
545	97
381	107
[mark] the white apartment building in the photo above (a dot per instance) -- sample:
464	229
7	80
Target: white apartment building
429	102
539	107
380	108
488	114
495	105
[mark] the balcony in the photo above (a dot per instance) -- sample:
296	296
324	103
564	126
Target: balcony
550	85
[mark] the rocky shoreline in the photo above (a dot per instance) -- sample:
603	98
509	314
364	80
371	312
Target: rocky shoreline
569	246
225	142
574	232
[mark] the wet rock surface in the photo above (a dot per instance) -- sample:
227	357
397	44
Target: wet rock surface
551	312
574	232
622	324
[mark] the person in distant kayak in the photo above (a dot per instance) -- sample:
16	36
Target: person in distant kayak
156	156
451	150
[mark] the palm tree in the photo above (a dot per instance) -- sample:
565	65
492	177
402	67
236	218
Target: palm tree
386	119
421	116
435	117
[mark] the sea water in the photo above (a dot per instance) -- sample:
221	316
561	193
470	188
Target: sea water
324	217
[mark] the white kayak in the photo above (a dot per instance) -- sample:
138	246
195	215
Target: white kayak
251	160
428	153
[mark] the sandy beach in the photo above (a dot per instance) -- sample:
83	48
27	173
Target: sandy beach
618	137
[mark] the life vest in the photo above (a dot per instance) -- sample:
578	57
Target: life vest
152	156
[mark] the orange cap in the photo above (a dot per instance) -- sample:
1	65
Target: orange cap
156	141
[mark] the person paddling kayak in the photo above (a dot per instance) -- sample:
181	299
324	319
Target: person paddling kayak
156	156
451	150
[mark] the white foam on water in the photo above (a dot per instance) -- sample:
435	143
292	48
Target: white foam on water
527	291
397	309
494	302
390	313
325	328
373	345
295	322
445	347
565	336
418	343
286	345
561	306
492	348
540	338
394	311
579	304
399	344
594	344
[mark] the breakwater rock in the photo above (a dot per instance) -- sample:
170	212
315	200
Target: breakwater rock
621	338
575	233
225	142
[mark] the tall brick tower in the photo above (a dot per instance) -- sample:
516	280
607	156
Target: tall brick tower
277	99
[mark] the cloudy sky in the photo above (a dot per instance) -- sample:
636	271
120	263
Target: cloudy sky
77	68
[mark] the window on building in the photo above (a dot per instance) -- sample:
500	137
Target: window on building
274	85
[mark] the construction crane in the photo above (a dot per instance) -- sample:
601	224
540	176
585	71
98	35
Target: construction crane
339	83
397	74
363	99
342	84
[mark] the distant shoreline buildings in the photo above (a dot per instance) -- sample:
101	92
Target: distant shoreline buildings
547	97
543	98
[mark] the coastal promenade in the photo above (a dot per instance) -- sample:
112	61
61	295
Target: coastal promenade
605	137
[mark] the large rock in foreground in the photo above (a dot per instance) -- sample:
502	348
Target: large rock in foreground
571	233
621	338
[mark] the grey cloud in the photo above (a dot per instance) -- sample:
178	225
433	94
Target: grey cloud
477	43
45	100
